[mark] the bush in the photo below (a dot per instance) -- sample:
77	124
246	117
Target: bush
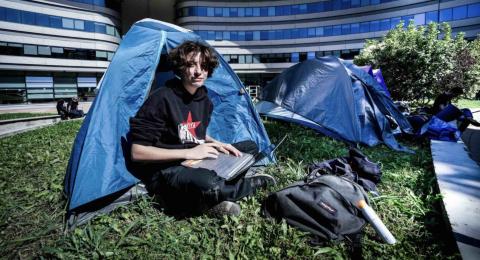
418	64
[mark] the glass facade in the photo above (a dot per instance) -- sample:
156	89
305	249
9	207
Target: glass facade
18	49
20	86
308	8
444	15
286	57
24	17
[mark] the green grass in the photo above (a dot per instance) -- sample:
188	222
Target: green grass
9	116
468	103
32	167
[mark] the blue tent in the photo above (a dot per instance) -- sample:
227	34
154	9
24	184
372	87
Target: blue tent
336	98
97	175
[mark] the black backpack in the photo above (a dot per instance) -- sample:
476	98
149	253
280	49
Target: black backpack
324	206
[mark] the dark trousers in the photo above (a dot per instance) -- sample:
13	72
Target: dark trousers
184	191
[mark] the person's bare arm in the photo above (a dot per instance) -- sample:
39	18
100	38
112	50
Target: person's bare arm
154	154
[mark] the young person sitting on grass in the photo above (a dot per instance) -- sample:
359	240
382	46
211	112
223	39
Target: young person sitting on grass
171	127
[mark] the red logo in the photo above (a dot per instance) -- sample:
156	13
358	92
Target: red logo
191	126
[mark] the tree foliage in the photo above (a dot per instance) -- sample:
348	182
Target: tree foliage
418	63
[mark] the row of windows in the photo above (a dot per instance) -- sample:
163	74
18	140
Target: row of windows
16	86
287	57
444	15
18	49
316	7
24	17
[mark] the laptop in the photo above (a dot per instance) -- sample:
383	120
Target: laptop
229	166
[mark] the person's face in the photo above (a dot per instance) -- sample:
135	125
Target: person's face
195	75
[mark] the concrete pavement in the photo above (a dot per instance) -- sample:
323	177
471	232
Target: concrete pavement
38	107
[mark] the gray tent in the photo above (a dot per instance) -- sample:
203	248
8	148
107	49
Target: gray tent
336	98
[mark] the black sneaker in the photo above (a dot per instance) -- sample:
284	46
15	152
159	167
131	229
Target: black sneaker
225	208
262	180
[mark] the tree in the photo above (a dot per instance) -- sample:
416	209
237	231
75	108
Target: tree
418	64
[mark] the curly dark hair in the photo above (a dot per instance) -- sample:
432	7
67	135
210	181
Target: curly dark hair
180	57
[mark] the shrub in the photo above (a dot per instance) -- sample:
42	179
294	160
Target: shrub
418	64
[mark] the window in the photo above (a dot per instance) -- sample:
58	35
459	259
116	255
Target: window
218	11
226	35
319	31
473	10
226	12
28	18
364	27
302	9
79	25
241	36
248	11
110	30
101	54
109	56
234	36
89	26
202	11
311	32
354	28
295	57
431	17
278	34
327	30
67	23
337	30
248	36
218	35
241	59
271	11
287	34
395	22
2	14
310	55
374	26
271	35
364	2
385	24
210	11
241	11
419	19
55	22
44	50
42	20
233	12
30	50
256	35
263	35
355	3
211	35
13	15
248	59
256	11
100	28
263	11
445	15
459	12
345	28
303	32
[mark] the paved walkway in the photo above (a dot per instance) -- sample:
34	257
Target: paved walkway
38	108
458	176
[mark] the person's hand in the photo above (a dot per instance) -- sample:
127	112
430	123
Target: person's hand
229	149
202	151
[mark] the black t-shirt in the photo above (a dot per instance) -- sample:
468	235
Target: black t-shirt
172	118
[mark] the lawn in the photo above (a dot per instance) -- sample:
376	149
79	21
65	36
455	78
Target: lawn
467	103
9	116
32	207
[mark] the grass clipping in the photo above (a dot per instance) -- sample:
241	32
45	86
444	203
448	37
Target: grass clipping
32	168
